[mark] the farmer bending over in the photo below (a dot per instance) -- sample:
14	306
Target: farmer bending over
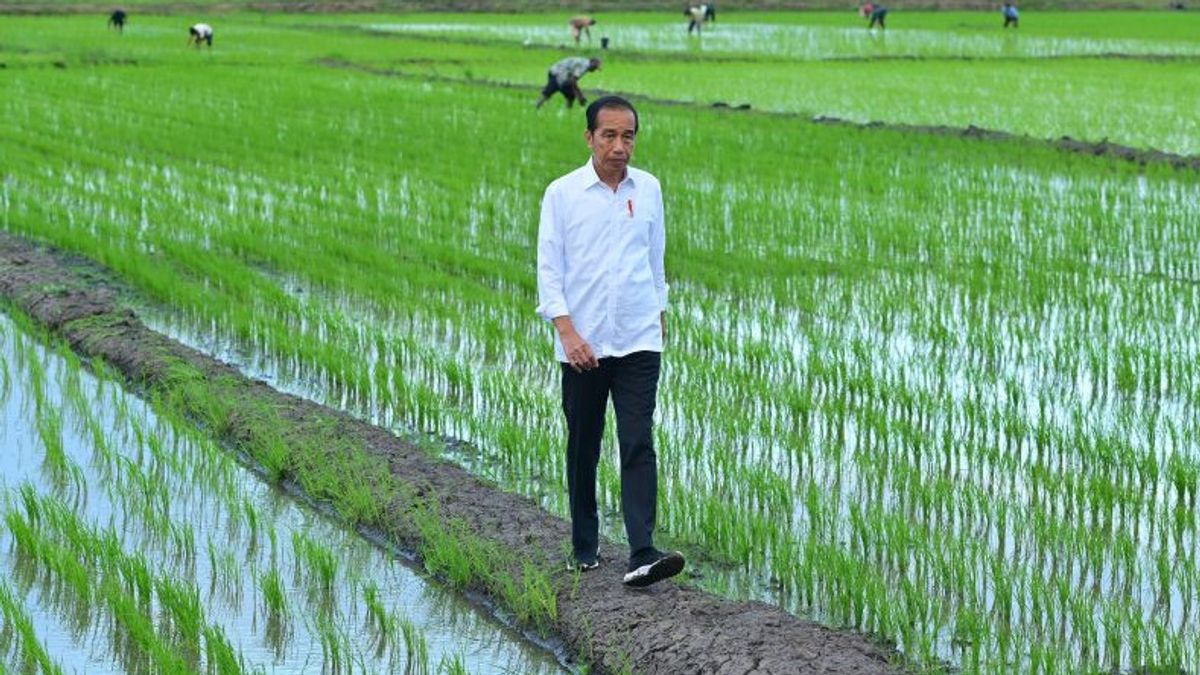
581	25
876	13
201	32
699	14
1011	16
564	77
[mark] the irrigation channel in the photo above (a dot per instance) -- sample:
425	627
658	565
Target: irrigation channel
131	542
249	557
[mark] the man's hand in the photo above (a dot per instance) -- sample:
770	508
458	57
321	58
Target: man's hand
578	352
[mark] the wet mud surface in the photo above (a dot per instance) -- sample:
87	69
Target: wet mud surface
669	628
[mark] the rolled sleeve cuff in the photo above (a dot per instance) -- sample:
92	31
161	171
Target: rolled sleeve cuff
552	309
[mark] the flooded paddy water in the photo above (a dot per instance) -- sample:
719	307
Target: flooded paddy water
132	543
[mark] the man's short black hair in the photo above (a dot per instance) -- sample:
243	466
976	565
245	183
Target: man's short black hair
603	102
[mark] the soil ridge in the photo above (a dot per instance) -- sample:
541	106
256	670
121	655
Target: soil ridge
669	628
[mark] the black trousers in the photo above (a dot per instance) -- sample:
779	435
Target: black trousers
632	382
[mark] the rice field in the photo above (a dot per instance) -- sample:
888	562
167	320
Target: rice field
130	543
934	389
1062	75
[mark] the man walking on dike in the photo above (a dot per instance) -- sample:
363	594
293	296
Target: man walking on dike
1010	15
201	32
601	282
117	20
580	25
564	77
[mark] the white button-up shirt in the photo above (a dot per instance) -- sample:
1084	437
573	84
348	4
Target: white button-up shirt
600	260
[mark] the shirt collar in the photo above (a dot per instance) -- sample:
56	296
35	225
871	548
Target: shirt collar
589	178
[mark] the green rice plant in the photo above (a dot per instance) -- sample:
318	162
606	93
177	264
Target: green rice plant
220	656
382	621
225	574
182	602
251	515
5	377
452	665
17	620
416	648
337	654
316	563
50	431
272	593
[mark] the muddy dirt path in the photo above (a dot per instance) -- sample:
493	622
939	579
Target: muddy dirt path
666	629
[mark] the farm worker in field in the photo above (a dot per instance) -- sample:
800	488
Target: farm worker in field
117	20
698	14
1010	15
602	284
564	77
200	32
580	25
877	15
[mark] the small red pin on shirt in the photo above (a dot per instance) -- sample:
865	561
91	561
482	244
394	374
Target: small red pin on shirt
629	204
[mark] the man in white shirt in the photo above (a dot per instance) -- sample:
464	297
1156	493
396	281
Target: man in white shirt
601	282
564	76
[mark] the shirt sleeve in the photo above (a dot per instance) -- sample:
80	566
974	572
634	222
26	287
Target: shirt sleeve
658	248
552	301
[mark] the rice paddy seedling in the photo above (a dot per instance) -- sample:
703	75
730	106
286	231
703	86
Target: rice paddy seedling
16	619
452	665
272	593
378	616
316	563
416	649
337	654
225	578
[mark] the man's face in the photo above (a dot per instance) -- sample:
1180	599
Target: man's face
612	140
